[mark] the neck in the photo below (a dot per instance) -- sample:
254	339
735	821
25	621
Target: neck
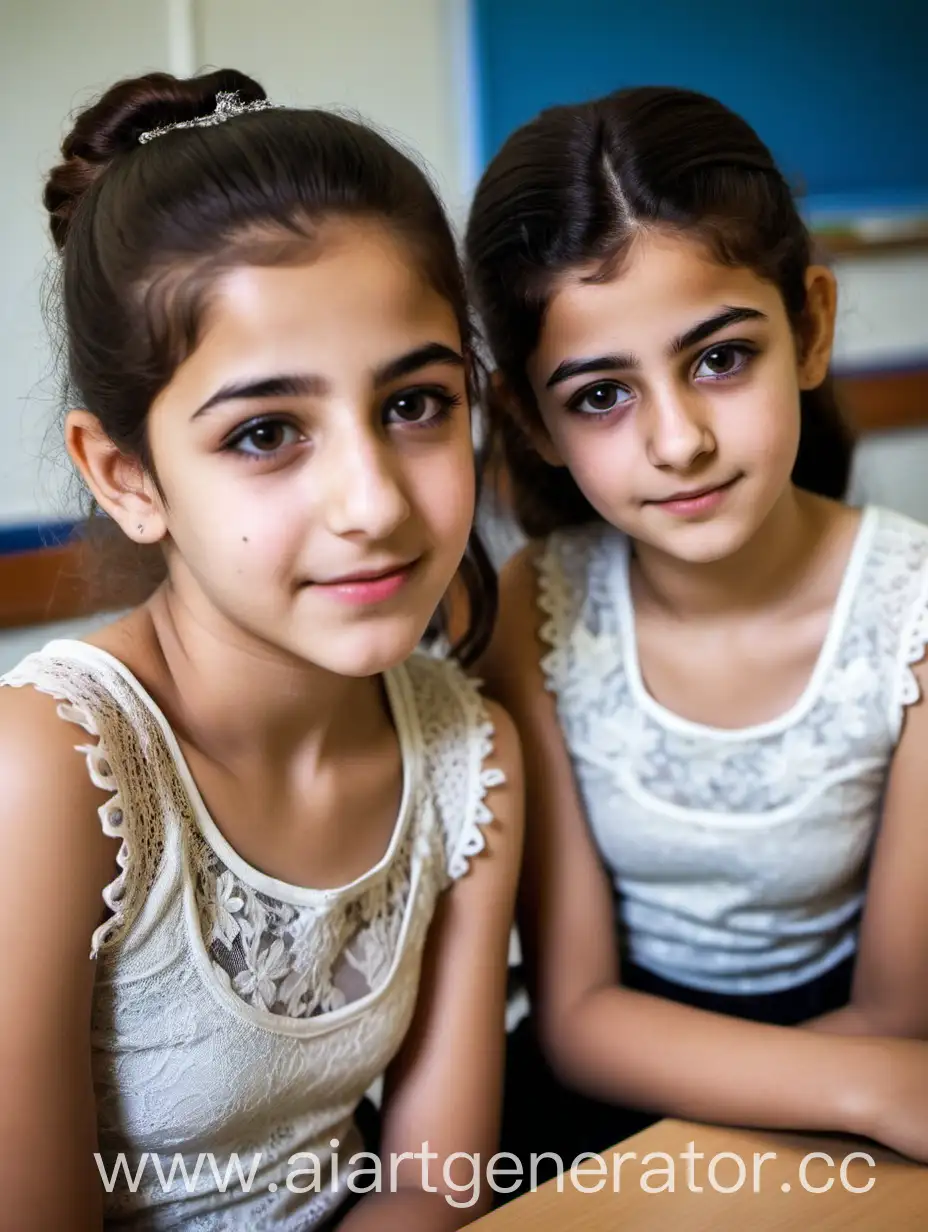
234	697
764	567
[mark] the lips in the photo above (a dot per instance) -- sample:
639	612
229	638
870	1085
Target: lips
363	576
692	494
367	587
695	501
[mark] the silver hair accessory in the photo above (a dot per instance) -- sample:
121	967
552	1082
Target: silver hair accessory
228	106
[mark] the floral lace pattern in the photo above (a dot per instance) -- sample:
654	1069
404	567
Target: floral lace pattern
827	735
301	960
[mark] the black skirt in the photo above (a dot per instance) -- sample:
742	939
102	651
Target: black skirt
540	1114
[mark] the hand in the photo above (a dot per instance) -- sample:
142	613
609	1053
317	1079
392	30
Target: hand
894	1110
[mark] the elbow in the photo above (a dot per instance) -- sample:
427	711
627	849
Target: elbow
565	1038
554	1029
554	1045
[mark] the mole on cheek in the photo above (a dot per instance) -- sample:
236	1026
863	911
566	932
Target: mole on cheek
244	538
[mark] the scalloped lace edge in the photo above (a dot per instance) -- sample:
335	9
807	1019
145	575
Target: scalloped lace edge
914	641
99	768
472	838
554	602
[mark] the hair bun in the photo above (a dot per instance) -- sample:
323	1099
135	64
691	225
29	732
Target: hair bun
113	124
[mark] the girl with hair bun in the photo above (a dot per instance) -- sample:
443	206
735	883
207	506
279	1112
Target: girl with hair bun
287	836
716	667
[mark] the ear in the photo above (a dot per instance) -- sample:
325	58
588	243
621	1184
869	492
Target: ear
119	483
817	332
528	420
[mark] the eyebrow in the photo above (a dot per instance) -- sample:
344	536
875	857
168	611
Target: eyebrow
422	357
623	361
309	385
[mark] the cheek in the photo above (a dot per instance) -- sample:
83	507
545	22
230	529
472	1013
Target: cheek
248	523
444	492
763	427
601	459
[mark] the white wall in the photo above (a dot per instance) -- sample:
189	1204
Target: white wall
54	54
883	319
883	308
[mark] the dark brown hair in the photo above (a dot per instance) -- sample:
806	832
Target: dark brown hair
145	228
572	187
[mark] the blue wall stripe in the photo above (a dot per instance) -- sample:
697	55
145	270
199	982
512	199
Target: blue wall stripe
32	536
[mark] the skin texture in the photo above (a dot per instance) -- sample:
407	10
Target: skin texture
743	590
270	681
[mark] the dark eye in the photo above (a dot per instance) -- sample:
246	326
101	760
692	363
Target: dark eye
419	406
264	438
600	398
722	361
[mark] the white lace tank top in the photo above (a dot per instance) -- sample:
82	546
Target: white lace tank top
738	857
233	1012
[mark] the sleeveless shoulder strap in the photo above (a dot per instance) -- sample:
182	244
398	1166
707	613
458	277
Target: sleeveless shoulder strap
576	596
897	586
457	745
125	757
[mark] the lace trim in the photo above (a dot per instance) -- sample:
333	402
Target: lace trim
472	839
912	651
111	813
554	600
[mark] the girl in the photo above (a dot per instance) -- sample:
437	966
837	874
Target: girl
267	330
715	667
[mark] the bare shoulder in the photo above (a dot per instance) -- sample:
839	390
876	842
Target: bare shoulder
31	729
48	804
37	745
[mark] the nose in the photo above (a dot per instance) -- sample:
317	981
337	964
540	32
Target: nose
365	496
677	429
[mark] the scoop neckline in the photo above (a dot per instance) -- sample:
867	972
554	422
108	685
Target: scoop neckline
837	622
282	891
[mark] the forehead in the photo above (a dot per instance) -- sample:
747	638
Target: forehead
664	285
360	293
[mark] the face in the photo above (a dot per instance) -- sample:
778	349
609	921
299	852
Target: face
671	392
315	457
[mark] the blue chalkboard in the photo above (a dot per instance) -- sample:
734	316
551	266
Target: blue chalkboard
837	88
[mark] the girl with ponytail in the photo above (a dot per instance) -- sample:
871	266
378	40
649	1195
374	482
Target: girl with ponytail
717	667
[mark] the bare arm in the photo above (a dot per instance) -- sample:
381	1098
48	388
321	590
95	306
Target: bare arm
444	1087
890	991
628	1046
54	863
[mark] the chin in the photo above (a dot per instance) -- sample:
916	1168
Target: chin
367	651
703	543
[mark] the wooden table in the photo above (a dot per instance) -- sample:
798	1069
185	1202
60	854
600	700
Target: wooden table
895	1197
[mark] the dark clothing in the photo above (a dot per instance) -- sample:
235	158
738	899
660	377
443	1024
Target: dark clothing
540	1114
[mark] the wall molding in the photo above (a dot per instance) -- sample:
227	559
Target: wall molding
184	43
